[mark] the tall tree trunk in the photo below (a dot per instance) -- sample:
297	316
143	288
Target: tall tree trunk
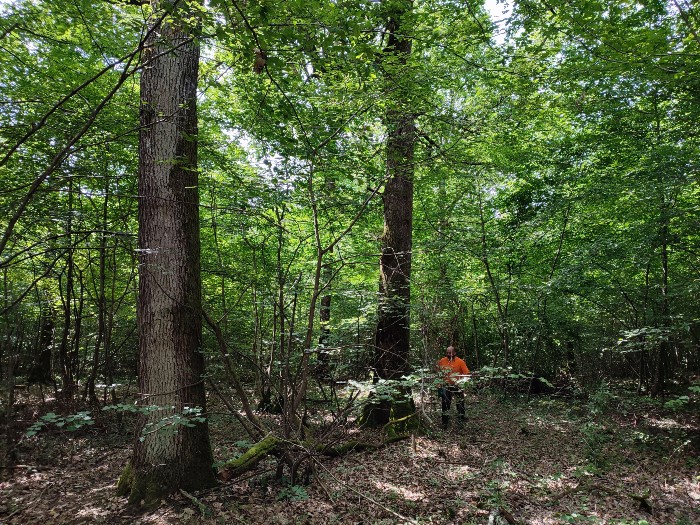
100	340
9	357
324	312
40	371
661	371
392	340
171	364
67	377
74	355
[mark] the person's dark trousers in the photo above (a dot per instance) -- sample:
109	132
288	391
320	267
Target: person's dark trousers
446	394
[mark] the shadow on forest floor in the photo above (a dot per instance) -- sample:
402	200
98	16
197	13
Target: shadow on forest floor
545	461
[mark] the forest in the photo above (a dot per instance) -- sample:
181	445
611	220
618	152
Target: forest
236	236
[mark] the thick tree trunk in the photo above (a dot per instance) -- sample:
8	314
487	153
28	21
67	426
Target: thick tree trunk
169	314
393	335
392	340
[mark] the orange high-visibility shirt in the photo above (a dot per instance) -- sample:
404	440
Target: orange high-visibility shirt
452	369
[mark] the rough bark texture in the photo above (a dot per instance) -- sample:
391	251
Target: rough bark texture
169	309
393	335
392	341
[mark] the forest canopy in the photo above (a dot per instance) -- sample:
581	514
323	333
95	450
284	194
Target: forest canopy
352	187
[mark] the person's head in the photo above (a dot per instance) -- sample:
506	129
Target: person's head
451	352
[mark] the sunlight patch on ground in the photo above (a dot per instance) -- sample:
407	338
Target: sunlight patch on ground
554	483
692	487
476	454
109	489
31	476
156	520
542	423
666	423
91	512
684	487
426	448
406	493
458	473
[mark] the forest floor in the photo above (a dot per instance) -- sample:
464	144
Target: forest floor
543	461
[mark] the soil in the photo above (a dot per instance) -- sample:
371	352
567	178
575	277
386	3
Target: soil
536	461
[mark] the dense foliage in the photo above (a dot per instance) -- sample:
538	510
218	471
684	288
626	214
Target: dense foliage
556	213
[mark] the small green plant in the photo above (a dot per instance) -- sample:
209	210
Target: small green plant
189	417
596	437
677	403
494	498
681	402
600	400
292	493
170	422
384	389
70	423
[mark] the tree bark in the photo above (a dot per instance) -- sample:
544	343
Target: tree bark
392	340
171	364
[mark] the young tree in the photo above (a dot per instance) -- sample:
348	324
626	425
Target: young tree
169	309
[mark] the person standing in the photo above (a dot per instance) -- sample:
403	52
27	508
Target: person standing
452	369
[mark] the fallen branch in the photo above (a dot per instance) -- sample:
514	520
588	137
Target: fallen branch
394	422
357	446
270	445
251	457
344	448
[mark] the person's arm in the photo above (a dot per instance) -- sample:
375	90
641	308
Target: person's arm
464	369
